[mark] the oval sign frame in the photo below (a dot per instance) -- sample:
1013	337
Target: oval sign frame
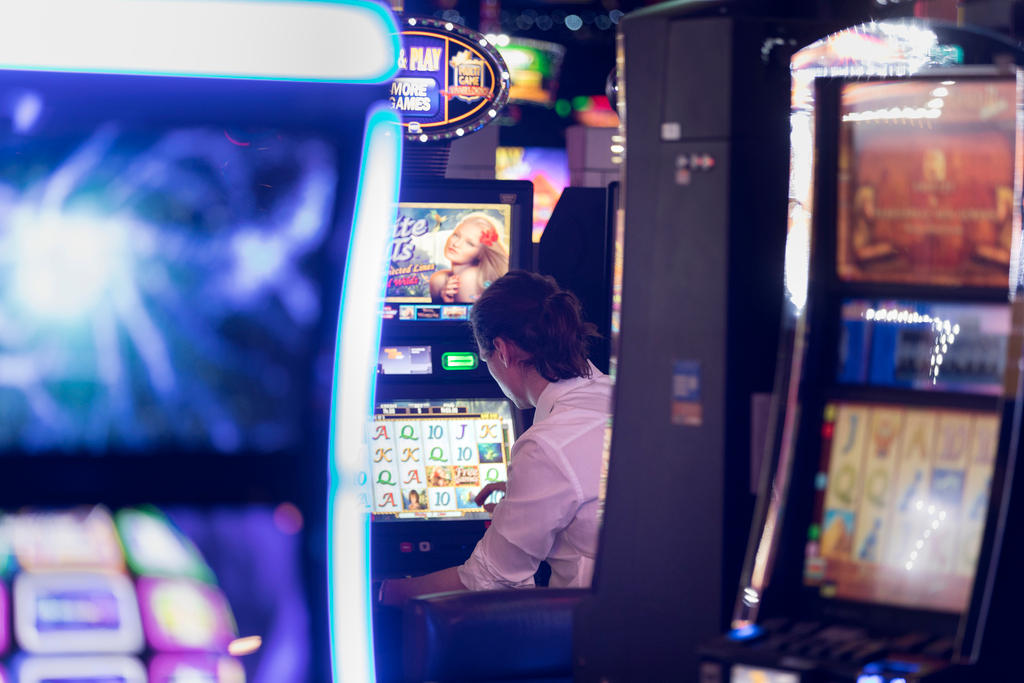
469	69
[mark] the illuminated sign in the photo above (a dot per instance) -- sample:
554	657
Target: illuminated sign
451	80
534	65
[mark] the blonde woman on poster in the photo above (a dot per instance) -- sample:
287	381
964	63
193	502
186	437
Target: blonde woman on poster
477	256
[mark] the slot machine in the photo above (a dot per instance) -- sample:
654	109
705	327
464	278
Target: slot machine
173	235
441	429
882	514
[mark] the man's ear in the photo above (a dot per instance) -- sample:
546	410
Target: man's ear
503	350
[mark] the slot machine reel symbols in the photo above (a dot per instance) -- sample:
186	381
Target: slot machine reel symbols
382	459
383	454
387	491
493	474
442	495
385	475
436	443
953	441
463	440
489	442
851	433
489	430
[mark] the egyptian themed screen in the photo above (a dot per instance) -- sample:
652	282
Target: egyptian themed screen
931	346
443	256
926	182
900	504
161	288
153	594
429	459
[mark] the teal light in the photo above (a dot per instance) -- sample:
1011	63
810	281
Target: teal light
355	360
332	41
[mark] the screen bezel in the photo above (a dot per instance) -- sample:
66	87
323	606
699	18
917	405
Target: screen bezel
827	292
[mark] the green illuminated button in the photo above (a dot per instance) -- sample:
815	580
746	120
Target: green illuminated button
459	360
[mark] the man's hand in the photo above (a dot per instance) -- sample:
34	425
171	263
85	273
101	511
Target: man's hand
486	492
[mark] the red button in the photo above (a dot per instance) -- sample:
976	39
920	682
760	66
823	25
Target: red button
405	547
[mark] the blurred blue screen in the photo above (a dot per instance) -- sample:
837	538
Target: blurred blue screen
162	288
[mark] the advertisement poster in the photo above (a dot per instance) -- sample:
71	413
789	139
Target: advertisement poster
447	253
926	182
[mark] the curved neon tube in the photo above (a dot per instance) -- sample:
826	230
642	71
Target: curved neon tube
358	339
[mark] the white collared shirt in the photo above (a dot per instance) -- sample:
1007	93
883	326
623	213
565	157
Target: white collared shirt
550	509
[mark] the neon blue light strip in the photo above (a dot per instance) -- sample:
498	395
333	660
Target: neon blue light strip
355	362
334	41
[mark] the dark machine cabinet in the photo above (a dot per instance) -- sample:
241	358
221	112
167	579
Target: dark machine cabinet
704	195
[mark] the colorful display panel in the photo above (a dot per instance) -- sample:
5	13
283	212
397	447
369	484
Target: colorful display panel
429	459
546	167
901	502
446	255
404	360
534	66
926	182
82	538
741	673
154	547
65	612
190	581
184	615
923	345
200	668
83	669
163	288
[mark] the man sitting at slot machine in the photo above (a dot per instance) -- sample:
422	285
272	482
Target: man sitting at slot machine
534	341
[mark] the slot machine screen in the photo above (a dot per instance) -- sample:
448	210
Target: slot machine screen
925	186
926	346
900	504
163	286
546	167
452	238
429	459
444	255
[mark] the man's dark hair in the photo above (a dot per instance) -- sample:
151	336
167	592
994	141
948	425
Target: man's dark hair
535	314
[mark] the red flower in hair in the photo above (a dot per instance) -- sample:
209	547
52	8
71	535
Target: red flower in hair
488	237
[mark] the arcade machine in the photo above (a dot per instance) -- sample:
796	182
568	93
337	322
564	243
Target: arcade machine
882	518
172	244
441	428
700	232
703	246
